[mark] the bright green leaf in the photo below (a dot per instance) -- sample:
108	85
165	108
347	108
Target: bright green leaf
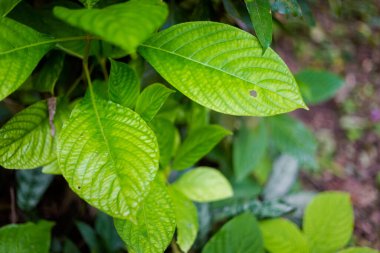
123	84
204	184
151	100
52	168
21	48
197	144
261	17
26	238
155	224
166	135
317	86
241	234
283	236
6	6
249	148
31	185
199	116
291	136
125	25
223	68
359	250
329	221
186	219
109	156
26	140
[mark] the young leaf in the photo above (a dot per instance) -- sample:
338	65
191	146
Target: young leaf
6	6
155	224
21	48
283	236
186	219
26	141
31	185
292	137
241	234
26	238
261	17
204	184
166	134
151	100
249	147
109	156
123	84
318	86
223	68
329	221
359	250
197	144
125	25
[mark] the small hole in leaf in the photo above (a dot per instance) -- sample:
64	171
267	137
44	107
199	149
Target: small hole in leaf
253	93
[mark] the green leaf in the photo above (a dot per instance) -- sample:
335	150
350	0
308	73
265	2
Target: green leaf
125	25
241	234
89	236
307	14
106	230
204	184
317	85
46	79
249	148
26	238
359	250
329	221
283	236
109	156
70	247
26	140
89	3
291	136
123	84
166	135
52	168
155	225
151	100
197	144
199	116
21	48
31	185
223	68
261	17
6	6
186	219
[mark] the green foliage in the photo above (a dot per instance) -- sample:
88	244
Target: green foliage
359	250
241	234
261	17
26	238
208	62
318	86
204	184
98	145
329	221
6	6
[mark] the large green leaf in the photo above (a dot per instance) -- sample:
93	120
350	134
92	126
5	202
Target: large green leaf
359	250
223	68
125	25
291	136
151	100
31	185
317	85
283	236
204	184
21	48
248	149
261	17
186	219
26	238
155	225
26	141
329	221
109	156
239	235
123	84
6	6
197	144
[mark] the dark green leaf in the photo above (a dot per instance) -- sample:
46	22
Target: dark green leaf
89	236
106	230
306	12
6	6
